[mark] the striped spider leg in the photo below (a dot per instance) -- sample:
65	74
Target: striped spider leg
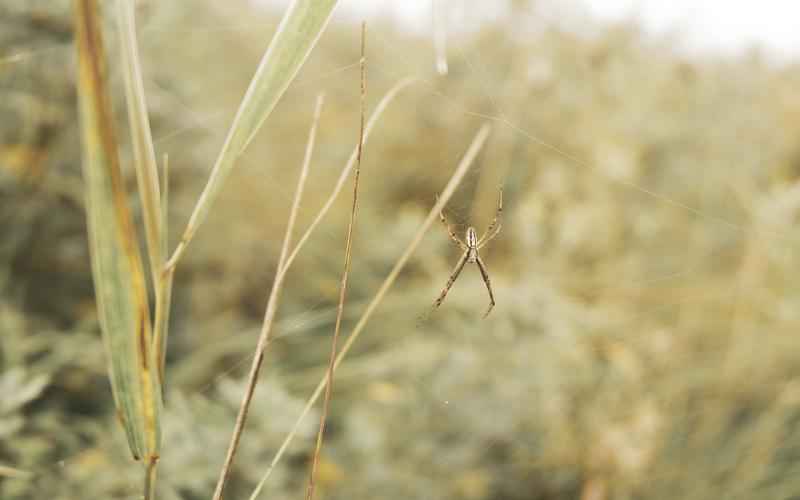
470	247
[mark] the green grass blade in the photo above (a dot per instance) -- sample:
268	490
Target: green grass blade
116	264
297	34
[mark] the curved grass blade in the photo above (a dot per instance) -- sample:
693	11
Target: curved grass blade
116	264
297	34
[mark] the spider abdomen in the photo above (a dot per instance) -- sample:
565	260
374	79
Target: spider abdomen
472	245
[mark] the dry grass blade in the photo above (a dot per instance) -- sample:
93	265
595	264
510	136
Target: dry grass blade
447	192
351	162
343	287
296	36
116	264
154	204
269	315
141	137
164	283
160	329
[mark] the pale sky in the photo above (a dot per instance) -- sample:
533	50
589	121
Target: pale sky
705	25
717	24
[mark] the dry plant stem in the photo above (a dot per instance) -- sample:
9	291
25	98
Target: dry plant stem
150	480
343	287
390	95
163	303
164	203
269	315
447	192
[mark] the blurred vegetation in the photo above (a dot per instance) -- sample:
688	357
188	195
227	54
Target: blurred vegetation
642	345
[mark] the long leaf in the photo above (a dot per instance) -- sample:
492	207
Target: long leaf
297	34
141	137
116	264
154	205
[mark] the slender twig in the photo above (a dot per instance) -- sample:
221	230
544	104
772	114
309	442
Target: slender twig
343	287
433	215
272	306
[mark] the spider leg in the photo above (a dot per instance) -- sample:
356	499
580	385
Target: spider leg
485	276
452	279
452	234
494	227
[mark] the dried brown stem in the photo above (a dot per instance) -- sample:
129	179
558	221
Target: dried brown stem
269	315
343	287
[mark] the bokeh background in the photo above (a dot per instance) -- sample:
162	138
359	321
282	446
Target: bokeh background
644	341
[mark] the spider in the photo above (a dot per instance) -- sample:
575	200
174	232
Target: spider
470	248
